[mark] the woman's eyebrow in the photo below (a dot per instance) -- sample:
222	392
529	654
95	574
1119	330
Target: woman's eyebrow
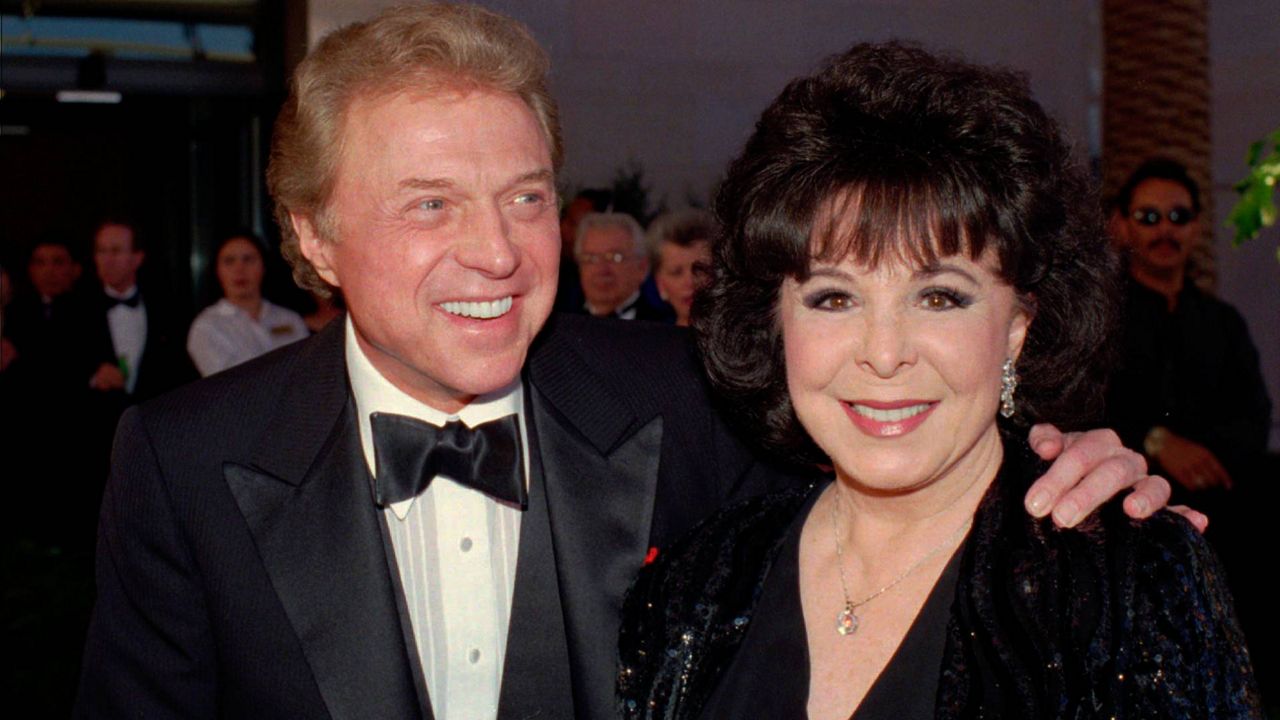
942	268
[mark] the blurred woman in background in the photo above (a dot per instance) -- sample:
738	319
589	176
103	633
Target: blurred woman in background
243	324
680	247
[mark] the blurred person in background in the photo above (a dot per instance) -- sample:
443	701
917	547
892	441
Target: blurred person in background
1189	392
680	245
143	338
613	262
243	324
569	287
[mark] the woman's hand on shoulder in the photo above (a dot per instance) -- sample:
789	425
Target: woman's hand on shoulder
1090	468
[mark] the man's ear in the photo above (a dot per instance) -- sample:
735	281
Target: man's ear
314	248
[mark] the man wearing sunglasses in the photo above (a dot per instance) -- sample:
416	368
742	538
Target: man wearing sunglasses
1190	392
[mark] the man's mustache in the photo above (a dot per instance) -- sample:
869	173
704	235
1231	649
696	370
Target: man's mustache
1171	242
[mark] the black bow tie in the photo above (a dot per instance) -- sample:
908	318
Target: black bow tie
132	301
408	453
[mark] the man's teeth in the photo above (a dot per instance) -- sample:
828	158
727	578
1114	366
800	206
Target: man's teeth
483	310
893	415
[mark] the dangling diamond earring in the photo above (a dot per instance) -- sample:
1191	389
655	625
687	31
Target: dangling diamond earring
1008	383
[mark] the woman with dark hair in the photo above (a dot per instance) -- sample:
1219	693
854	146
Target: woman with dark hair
910	270
243	324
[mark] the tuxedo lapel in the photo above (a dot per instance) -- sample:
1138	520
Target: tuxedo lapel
306	496
536	675
600	461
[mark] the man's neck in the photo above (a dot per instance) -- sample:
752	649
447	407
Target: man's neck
606	312
122	290
1168	285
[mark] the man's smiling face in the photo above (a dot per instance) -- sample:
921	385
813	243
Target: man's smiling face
447	239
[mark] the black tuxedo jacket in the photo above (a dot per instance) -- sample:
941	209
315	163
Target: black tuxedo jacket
164	364
243	568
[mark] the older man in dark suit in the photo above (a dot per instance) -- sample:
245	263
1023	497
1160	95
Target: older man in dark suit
433	508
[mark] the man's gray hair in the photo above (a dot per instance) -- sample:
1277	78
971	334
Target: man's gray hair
611	220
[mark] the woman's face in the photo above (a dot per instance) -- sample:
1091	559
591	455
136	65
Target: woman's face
240	270
675	276
895	372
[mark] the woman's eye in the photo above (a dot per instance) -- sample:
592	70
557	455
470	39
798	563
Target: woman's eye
829	300
943	299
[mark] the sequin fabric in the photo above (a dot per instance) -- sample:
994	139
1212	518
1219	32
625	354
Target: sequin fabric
1114	619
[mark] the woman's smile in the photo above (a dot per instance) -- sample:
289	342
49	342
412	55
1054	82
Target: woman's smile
888	419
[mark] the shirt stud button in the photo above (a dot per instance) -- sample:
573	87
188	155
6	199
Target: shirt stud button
465	544
474	656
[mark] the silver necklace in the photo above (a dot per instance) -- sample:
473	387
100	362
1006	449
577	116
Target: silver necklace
846	620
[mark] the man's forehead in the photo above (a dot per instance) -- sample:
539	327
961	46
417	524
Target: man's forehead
114	232
441	120
607	235
1161	189
51	253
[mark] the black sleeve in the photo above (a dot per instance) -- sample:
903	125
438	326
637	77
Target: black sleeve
1238	435
1181	653
149	652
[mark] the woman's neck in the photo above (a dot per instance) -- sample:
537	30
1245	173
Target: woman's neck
878	527
251	305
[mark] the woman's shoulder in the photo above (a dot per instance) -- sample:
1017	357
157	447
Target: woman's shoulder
275	313
1178	641
709	564
207	320
689	609
1135	613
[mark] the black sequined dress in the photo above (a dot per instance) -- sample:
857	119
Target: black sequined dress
1114	619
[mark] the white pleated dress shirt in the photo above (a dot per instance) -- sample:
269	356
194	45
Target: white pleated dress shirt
128	327
456	549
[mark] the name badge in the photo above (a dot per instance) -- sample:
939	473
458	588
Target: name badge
279	330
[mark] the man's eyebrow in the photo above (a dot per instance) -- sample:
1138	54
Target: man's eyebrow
539	175
417	183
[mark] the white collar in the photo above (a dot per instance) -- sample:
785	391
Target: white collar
619	310
111	292
375	393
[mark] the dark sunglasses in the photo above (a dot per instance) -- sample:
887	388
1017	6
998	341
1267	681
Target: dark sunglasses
1151	216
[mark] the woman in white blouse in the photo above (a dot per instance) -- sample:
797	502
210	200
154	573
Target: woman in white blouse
243	324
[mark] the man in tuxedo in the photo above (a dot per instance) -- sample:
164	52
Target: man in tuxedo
146	360
133	341
613	262
267	545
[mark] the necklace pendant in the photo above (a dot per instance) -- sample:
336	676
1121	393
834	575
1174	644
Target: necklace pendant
846	621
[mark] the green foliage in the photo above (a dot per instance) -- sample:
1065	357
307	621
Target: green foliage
631	192
1256	207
